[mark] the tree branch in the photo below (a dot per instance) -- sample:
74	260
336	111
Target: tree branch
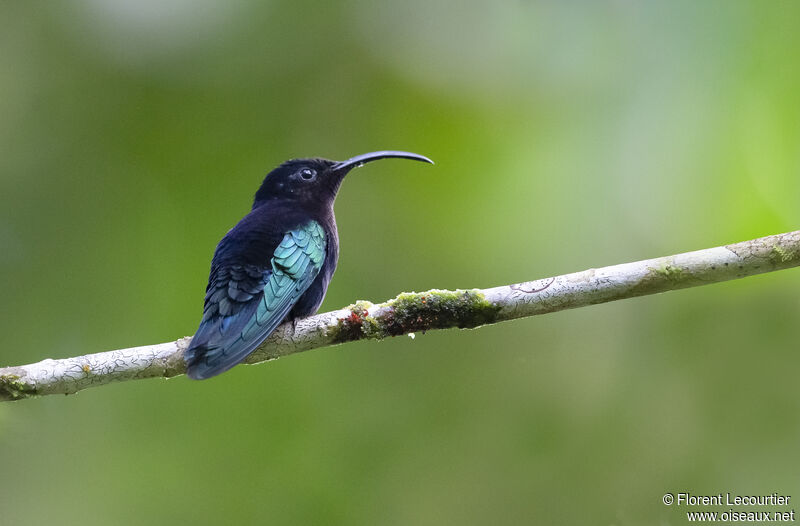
423	311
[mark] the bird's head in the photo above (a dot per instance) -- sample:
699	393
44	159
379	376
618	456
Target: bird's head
316	181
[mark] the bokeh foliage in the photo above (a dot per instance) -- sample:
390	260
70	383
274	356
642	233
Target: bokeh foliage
567	136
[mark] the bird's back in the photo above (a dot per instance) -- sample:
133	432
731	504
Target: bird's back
268	268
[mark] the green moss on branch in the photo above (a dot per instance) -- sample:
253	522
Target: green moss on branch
416	311
12	388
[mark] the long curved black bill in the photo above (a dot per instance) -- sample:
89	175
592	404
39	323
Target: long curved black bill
365	158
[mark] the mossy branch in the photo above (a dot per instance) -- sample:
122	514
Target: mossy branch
423	311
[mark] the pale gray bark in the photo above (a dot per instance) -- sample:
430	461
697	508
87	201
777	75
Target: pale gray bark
414	312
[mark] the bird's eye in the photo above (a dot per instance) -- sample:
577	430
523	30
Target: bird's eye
308	174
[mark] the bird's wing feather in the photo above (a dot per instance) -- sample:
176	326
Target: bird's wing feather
245	303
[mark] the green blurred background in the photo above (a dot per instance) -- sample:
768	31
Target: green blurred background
566	135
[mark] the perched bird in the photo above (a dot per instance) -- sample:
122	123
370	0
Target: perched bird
275	264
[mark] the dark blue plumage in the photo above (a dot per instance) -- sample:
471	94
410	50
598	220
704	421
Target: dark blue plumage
275	264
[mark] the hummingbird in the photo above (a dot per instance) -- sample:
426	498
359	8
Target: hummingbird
276	263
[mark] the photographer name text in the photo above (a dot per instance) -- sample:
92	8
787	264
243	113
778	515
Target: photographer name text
728	499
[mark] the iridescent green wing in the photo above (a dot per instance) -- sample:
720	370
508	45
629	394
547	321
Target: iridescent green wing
245	303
